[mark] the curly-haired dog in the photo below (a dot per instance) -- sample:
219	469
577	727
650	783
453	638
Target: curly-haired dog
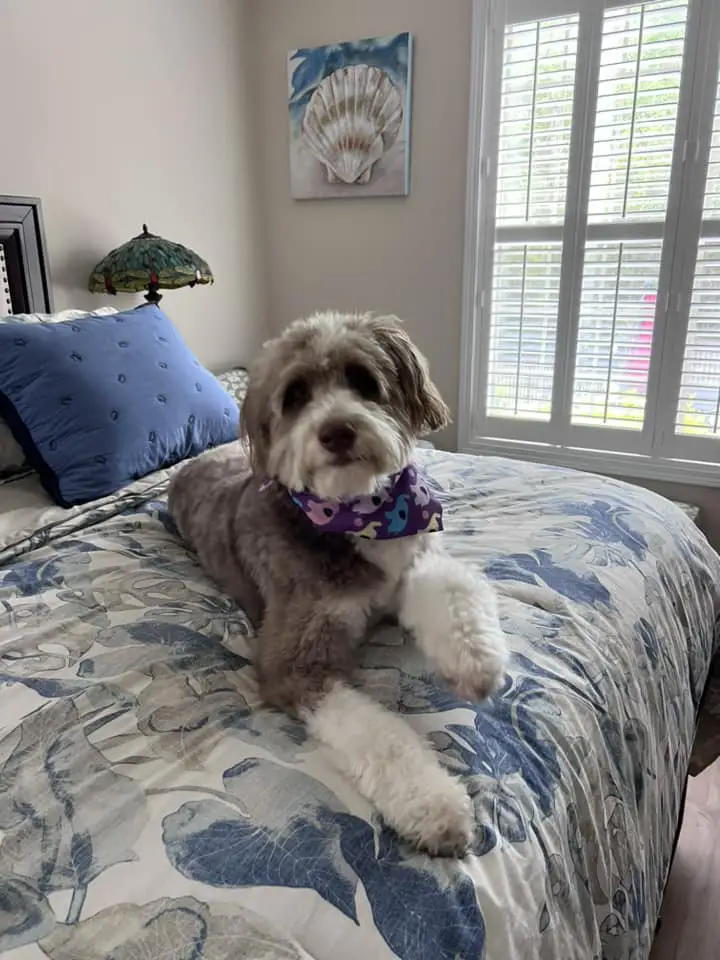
320	525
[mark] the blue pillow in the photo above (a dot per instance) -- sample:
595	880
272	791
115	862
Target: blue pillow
98	402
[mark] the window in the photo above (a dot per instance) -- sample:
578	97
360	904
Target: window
592	287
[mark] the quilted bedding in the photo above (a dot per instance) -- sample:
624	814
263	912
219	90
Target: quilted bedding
151	810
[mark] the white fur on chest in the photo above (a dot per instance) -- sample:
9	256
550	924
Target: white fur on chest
393	557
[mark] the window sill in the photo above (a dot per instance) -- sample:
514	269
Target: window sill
633	466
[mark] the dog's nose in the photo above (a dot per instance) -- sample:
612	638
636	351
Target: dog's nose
337	437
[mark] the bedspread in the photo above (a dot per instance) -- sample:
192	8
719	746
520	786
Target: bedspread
150	809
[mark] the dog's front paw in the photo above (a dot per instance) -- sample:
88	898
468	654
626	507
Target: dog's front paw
453	613
474	659
438	819
476	677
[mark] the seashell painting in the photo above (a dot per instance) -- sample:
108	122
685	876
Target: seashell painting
349	106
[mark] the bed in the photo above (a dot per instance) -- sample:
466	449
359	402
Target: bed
150	808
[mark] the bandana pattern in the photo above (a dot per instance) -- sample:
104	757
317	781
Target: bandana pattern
403	505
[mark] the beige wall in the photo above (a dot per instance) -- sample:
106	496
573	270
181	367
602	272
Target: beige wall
400	255
116	113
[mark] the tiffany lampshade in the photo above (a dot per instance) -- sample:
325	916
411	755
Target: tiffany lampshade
148	262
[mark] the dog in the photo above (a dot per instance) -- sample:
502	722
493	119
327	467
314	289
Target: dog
334	409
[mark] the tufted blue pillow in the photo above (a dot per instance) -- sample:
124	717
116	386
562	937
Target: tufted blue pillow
98	402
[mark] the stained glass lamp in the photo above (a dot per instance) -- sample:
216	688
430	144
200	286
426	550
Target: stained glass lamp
148	262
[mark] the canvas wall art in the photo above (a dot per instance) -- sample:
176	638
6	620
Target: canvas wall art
349	106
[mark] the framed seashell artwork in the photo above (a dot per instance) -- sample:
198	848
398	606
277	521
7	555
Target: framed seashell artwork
349	106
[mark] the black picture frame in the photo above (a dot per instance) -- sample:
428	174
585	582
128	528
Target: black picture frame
22	235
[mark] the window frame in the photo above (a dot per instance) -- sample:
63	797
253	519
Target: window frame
654	451
690	229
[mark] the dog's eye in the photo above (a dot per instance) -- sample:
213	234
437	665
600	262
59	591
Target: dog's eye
297	395
362	382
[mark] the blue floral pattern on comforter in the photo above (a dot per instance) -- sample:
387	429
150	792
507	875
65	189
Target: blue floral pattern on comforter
151	809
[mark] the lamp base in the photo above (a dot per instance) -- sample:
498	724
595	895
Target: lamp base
152	296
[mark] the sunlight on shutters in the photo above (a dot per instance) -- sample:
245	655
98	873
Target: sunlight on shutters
617	311
526	286
533	154
535	120
638	93
699	401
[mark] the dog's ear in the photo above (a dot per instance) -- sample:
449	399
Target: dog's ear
426	408
255	424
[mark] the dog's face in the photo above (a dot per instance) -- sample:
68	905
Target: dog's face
337	402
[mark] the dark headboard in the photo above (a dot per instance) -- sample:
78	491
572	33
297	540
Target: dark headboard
23	262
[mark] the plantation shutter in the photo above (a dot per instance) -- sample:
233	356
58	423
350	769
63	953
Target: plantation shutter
640	70
698	406
538	76
595	295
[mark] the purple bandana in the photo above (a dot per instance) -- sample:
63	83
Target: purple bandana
403	505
